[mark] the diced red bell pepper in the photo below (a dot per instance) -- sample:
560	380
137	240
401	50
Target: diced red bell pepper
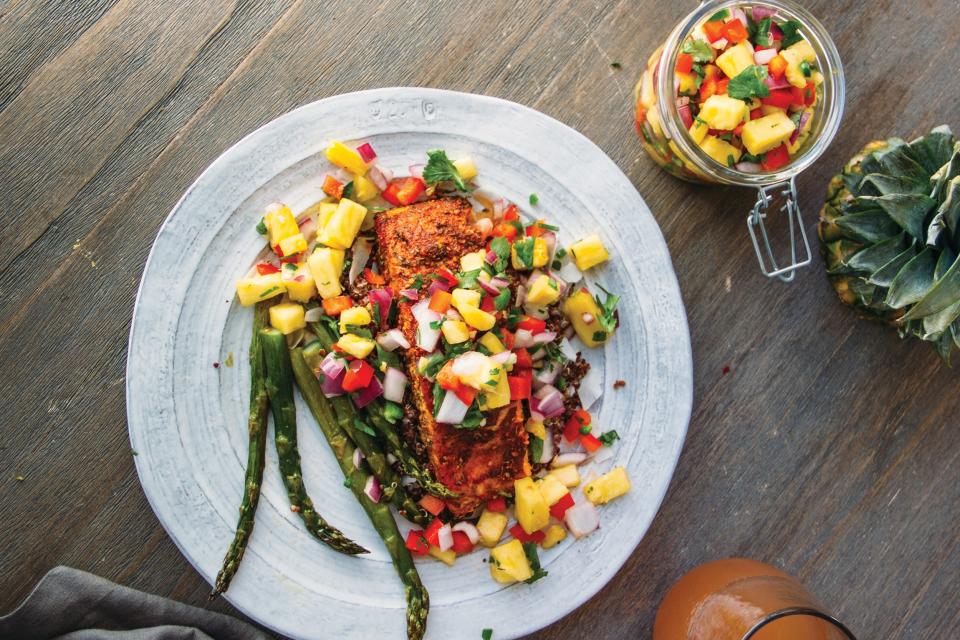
590	442
560	506
533	325
511	213
367	154
734	31
333	306
461	543
571	430
804	97
403	191
776	158
708	88
519	387
497	505
738	130
517	532
448	276
684	63
780	98
358	376
277	250
265	268
777	66
714	30
487	304
432	504
431	533
332	187
373	278
722	86
508	338
504	230
535	230
465	394
524	361
417	543
756	113
440	301
449	381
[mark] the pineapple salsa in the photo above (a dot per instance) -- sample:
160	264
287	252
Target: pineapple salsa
747	84
499	330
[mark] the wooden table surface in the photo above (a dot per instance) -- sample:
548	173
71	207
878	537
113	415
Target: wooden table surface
831	448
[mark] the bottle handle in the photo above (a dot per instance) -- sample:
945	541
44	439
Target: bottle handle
755	223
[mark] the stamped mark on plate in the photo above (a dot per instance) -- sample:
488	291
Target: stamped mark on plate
403	109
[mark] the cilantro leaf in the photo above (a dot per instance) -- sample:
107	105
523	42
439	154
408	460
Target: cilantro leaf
699	50
393	412
262	227
501	247
502	300
486	634
524	249
719	15
763	37
530	550
536	449
441	169
791	33
360	425
608	311
473	419
468	279
749	83
347	190
609	437
387	357
438	394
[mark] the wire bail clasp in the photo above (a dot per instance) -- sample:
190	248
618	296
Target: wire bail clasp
756	220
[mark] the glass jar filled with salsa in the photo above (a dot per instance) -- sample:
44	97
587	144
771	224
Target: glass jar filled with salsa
744	93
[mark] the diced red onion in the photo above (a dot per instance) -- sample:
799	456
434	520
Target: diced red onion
427	336
437	285
452	411
804	118
499	206
720	44
416	170
445	537
548	400
357	458
522	339
376	176
761	13
570	273
382	298
367	154
410	294
748	167
686	116
504	357
372	489
764	56
469	529
544	337
485	226
491	257
776	83
332	385
393	339
582	518
550	238
775	31
738	14
547	454
683	100
676	86
331	365
548	374
536	416
521	295
369	393
394	385
591	388
361	255
313	315
564	459
567	350
488	287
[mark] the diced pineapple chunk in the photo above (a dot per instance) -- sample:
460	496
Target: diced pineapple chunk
299	282
364	189
766	133
346	158
736	59
293	245
610	485
723	112
455	331
280	223
496	397
589	252
795	54
699	130
355	345
582	311
554	536
327	209
252	290
354	316
688	83
465	299
492	343
793	147
805	50
543	291
541	253
472	261
552	489
500	575
532	511
466	168
480	320
325	265
538	253
536	428
343	226
491	526
769	109
567	474
287	317
447	557
721	151
511	560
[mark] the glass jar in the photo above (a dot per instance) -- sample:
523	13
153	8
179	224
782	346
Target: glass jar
668	142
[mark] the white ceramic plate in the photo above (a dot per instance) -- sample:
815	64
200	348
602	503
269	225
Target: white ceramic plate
187	418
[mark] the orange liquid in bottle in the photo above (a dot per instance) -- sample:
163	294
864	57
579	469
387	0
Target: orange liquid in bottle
722	600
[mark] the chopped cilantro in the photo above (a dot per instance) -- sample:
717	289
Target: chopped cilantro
417	282
348	483
436	324
805	68
441	169
524	250
502	299
437	398
608	311
434	363
791	33
749	84
468	279
599	336
609	437
473	419
347	190
699	50
534	199
269	291
261	227
501	247
719	15
730	160
357	330
486	634
289	266
530	549
514	315
763	37
536	449
360	425
393	413
387	358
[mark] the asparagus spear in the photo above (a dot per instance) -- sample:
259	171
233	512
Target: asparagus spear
279	383
418	600
395	445
257	430
393	491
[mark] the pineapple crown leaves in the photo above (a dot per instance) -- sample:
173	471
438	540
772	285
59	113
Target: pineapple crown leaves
891	235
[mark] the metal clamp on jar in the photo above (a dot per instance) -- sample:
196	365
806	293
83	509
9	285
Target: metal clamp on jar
689	148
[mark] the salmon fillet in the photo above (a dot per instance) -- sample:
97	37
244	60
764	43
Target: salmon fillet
476	463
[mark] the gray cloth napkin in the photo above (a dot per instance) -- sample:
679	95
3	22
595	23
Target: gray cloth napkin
69	604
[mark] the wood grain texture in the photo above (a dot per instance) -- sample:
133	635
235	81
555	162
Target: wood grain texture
831	448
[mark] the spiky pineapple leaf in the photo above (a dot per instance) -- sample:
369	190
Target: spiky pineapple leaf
878	184
914	280
940	296
896	161
883	277
874	257
868	226
909	210
948	215
933	150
